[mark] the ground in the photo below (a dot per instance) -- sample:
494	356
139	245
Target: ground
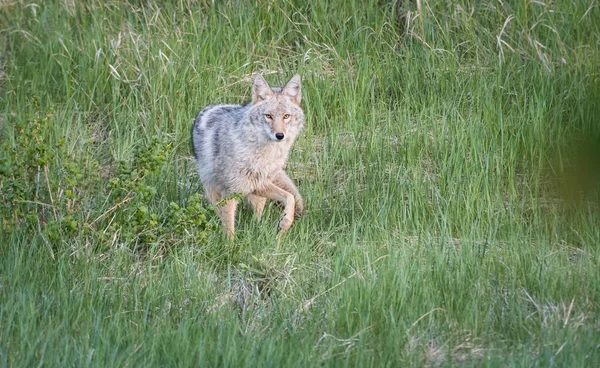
449	165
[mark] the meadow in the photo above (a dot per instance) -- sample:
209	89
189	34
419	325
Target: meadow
450	167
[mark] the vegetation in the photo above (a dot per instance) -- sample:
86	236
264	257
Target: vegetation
450	167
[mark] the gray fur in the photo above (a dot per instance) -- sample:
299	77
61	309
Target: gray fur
235	146
197	138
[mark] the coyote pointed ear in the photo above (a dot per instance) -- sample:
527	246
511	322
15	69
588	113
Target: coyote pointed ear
260	89
293	89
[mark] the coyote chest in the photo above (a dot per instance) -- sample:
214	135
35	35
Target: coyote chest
257	166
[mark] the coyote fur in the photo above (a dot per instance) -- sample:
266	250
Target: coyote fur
243	149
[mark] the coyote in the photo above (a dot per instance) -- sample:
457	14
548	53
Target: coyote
243	149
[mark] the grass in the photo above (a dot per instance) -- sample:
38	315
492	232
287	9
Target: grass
449	165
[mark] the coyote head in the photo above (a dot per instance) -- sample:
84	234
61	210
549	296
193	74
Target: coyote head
278	108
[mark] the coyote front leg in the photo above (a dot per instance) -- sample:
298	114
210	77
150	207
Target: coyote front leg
283	181
272	191
257	203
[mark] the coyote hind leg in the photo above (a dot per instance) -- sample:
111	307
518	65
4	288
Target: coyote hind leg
228	217
225	210
257	203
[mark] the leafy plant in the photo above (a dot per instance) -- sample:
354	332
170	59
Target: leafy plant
47	190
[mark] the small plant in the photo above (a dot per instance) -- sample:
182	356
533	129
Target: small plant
23	167
139	223
53	194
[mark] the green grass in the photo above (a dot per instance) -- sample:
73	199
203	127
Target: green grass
449	165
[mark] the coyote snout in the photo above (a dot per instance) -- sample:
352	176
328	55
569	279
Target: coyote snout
244	148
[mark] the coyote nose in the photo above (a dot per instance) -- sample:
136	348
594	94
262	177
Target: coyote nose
279	136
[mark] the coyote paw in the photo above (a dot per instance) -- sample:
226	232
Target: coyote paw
284	224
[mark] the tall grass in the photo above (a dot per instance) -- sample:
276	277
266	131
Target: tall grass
449	166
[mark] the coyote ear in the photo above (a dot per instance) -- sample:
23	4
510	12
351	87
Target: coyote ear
260	89
293	89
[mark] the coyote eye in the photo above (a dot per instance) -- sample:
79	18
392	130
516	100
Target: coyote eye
268	116
286	116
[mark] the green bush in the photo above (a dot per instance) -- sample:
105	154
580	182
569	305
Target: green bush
48	191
